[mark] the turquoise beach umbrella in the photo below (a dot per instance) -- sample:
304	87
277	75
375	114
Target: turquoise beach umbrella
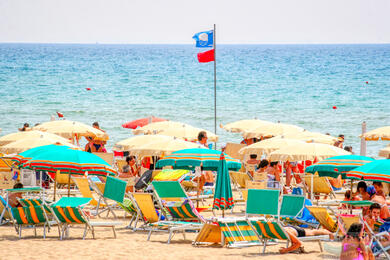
334	166
30	153
223	195
209	159
70	161
378	170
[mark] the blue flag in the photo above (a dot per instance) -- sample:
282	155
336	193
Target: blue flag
204	39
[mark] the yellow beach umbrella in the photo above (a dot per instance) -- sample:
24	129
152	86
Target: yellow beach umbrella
306	151
28	143
188	133
310	137
268	146
69	129
244	125
272	130
160	148
385	152
6	139
139	140
155	128
376	134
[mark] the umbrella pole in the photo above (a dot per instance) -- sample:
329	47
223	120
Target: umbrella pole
223	213
55	184
69	184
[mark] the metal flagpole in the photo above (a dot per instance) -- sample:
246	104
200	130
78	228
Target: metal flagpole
215	87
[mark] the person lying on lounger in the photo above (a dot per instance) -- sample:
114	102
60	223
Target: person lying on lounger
296	232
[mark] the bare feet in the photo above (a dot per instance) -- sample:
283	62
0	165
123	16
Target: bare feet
293	247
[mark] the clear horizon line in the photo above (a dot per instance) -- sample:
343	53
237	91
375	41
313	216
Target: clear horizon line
162	43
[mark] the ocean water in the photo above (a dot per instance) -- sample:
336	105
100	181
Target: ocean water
297	84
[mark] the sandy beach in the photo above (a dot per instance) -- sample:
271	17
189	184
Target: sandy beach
131	244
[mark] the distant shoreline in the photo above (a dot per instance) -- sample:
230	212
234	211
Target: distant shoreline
185	44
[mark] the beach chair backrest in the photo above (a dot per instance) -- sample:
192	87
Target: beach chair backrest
114	189
146	205
83	185
69	214
292	206
320	184
128	206
3	207
269	229
240	178
321	214
62	178
238	233
263	202
182	210
345	221
119	164
28	215
169	189
170	175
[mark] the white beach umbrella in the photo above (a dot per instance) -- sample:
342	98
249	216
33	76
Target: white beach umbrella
306	151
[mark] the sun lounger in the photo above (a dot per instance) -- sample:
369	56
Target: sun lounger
82	184
129	207
181	212
237	233
320	186
322	215
114	189
269	227
32	216
209	234
5	216
344	221
69	211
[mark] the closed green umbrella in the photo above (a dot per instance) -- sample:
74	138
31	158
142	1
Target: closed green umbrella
378	170
334	166
209	159
223	195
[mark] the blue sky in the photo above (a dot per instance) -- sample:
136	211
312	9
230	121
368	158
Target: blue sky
175	21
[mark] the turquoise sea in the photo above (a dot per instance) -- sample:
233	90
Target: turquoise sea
297	84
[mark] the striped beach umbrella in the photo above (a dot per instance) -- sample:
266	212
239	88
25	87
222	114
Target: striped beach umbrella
30	153
70	161
223	195
378	170
334	166
209	159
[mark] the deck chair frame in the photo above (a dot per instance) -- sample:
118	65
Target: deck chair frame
174	225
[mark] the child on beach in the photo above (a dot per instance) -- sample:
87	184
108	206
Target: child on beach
373	215
354	246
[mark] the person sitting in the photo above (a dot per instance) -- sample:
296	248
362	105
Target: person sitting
202	138
253	159
130	169
362	190
295	233
336	183
348	196
373	215
348	149
273	174
340	141
13	197
95	145
354	246
263	165
379	189
251	164
26	127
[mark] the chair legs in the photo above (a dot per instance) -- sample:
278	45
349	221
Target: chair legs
113	230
